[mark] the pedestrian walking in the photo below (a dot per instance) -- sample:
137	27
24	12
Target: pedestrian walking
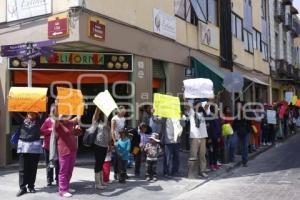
101	145
198	136
118	122
152	149
242	126
122	148
29	150
51	165
67	131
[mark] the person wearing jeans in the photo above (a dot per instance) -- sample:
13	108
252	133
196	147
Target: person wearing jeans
230	145
171	131
242	126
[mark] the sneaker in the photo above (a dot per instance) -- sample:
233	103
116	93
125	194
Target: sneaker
203	175
66	195
154	179
213	168
216	167
72	190
49	184
21	192
219	164
127	177
148	179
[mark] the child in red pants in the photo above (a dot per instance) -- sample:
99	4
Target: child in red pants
106	167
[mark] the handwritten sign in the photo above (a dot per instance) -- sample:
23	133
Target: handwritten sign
166	106
198	88
24	99
105	102
271	117
70	101
294	100
289	96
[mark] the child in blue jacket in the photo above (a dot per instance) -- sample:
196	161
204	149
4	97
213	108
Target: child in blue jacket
123	147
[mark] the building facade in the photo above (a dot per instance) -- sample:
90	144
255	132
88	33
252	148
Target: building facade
136	48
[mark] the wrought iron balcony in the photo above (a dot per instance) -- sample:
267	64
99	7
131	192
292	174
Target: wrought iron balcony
287	2
279	11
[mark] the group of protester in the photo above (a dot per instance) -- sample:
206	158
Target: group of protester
214	136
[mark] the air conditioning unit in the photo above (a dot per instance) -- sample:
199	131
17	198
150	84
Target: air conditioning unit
76	3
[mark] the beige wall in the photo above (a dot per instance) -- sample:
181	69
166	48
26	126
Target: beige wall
242	57
260	64
238	7
175	76
2	11
256	14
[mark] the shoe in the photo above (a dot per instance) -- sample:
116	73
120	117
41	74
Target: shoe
127	177
122	181
31	190
148	179
21	192
116	176
154	179
216	167
66	195
203	175
219	164
213	168
49	184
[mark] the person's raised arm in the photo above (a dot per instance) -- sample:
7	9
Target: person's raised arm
96	115
113	128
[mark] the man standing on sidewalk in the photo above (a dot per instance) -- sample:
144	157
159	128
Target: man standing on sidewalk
198	135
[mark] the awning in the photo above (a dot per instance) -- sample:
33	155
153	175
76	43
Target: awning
205	70
255	80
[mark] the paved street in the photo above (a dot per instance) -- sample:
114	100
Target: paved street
274	175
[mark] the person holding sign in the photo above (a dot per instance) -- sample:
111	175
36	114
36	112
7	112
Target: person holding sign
66	129
117	124
29	150
198	136
101	145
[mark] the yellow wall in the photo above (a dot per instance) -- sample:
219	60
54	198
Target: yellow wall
260	64
297	42
256	14
242	57
238	7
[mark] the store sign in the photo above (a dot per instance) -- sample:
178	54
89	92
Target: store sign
96	29
22	9
58	26
209	35
81	61
164	24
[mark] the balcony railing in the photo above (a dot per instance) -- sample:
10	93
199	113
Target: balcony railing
288	22
279	11
287	2
295	28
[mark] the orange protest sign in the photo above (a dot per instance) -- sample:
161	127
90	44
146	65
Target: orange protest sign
70	101
298	103
27	99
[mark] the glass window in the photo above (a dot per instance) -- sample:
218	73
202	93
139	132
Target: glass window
180	8
233	27
257	40
213	11
265	51
239	28
200	9
264	9
248	41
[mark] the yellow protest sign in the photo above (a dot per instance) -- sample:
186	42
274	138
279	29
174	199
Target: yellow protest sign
166	106
294	100
105	102
27	99
70	101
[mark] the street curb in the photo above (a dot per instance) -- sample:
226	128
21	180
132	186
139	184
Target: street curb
238	164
